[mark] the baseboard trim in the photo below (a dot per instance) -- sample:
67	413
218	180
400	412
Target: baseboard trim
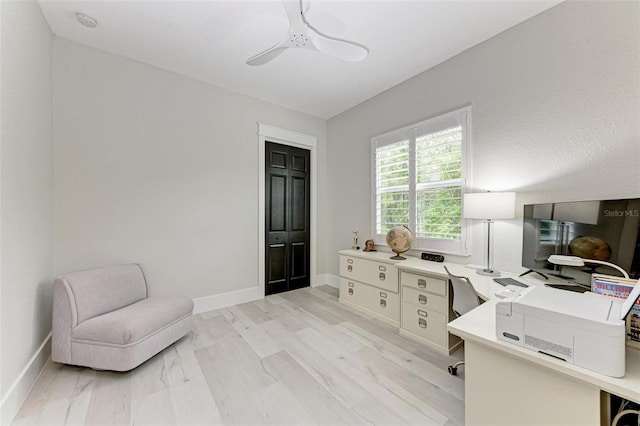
327	279
20	388
223	300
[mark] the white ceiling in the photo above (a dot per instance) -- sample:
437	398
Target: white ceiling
211	40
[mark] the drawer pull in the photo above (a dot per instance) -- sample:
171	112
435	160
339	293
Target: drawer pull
382	276
350	284
422	299
383	294
422	322
422	283
350	292
349	260
422	313
382	268
383	303
349	268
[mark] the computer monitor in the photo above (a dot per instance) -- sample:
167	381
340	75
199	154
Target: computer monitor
605	230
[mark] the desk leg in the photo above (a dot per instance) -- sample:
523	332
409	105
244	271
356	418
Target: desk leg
504	390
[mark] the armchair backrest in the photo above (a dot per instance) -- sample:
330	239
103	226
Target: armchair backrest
98	291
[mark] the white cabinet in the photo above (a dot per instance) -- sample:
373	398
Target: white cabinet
371	285
411	294
372	271
426	310
375	301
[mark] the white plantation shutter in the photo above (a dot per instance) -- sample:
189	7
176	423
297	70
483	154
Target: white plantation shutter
392	181
419	175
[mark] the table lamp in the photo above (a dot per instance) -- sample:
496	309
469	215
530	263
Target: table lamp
558	259
489	206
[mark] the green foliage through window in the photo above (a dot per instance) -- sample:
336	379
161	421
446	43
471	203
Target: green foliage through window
419	179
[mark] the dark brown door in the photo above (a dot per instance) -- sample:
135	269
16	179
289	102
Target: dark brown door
287	203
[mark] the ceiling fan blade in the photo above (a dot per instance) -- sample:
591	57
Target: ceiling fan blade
294	9
338	48
266	56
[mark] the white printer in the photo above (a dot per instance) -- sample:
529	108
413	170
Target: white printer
584	329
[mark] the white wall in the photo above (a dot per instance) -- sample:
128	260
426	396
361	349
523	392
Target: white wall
555	117
155	168
26	197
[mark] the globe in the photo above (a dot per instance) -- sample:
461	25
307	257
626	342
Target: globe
399	239
590	248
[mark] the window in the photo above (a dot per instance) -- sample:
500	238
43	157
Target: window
419	178
556	233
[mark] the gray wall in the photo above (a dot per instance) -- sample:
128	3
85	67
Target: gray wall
155	168
555	117
26	191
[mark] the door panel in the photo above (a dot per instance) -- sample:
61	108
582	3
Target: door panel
278	202
298	260
278	159
299	163
277	267
287	204
298	206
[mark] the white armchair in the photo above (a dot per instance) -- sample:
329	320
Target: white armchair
104	319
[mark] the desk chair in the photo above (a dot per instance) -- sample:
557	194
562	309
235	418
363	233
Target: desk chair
465	299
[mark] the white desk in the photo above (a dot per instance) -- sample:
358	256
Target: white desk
483	284
509	385
414	293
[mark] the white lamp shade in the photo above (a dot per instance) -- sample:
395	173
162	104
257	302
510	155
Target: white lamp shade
489	205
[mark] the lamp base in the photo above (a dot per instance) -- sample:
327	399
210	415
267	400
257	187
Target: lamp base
488	272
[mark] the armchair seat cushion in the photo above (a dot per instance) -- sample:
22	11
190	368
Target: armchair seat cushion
134	323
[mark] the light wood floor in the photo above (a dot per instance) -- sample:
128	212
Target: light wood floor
298	358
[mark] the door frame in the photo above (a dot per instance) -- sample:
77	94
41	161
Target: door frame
300	140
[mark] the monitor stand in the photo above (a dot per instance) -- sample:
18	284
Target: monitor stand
531	270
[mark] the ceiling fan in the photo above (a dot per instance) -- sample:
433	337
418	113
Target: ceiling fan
303	36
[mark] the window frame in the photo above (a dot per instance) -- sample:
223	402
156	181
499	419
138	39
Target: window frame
412	132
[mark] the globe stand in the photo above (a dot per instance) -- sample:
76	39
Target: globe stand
397	256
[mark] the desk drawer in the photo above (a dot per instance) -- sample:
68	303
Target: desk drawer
425	283
351	291
379	301
425	323
424	300
379	274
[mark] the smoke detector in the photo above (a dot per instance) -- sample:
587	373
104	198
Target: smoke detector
86	20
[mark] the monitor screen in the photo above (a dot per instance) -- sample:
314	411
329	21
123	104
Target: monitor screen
605	230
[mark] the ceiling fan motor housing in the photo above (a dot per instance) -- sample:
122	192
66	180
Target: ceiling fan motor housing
299	39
